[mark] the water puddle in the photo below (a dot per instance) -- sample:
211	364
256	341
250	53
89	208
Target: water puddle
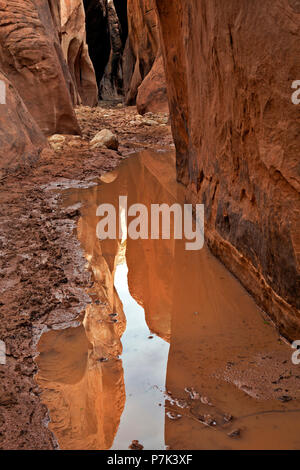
171	351
144	359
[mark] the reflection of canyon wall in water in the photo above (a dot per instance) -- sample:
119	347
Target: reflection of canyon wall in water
85	396
84	392
150	262
219	343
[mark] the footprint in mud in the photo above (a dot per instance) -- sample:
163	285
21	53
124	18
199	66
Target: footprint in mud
199	408
174	416
235	434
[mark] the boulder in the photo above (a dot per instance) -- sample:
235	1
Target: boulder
56	141
105	138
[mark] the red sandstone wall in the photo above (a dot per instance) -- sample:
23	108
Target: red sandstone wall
230	66
144	76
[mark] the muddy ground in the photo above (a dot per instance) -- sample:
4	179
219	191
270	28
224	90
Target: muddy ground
42	274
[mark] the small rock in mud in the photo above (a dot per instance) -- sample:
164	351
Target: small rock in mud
205	401
56	141
235	434
227	418
192	393
208	420
103	359
150	122
285	398
135	445
105	138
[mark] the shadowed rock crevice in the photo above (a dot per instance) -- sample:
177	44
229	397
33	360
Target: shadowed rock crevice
124	46
98	37
107	30
111	86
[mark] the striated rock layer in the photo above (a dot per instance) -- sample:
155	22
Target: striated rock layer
144	77
230	67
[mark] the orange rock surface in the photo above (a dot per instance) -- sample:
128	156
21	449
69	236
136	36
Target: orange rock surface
230	68
145	82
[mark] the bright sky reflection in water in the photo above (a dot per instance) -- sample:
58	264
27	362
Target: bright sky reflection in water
145	364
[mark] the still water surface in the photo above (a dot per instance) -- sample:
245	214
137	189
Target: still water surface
171	351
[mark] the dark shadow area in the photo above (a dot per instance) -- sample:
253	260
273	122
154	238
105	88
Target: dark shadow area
97	34
107	31
121	9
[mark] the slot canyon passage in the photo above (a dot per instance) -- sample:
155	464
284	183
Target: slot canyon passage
123	343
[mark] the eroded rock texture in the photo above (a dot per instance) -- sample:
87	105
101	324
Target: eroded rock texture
21	140
76	54
32	59
230	66
144	77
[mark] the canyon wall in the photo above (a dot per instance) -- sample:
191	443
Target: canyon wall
76	54
31	58
21	140
46	71
230	67
144	77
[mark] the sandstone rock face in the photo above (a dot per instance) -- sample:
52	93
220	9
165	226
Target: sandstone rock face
230	67
32	60
76	54
21	140
152	92
144	78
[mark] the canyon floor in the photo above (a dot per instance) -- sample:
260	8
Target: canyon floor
44	282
